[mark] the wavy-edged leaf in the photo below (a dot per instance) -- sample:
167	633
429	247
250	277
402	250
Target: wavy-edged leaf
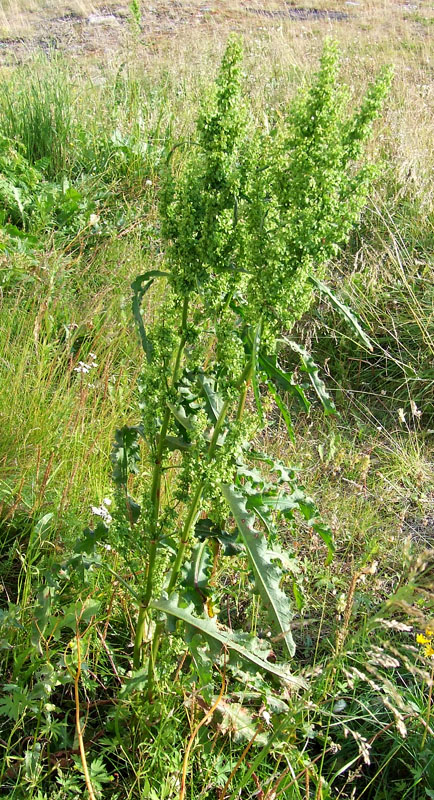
285	503
268	574
284	473
207	529
180	415
345	311
140	286
245	645
312	370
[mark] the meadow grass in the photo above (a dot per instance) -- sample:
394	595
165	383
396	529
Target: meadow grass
104	126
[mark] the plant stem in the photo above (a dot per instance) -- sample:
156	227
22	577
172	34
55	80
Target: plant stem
193	514
428	713
156	495
244	381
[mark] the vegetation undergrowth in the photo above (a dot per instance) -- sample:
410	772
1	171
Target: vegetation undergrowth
295	658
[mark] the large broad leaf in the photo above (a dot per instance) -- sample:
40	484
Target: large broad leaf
263	560
245	646
312	370
140	286
344	311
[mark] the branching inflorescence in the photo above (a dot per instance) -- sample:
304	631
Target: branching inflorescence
250	218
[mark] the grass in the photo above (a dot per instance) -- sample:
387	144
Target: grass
66	296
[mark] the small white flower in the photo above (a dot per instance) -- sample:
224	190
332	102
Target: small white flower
414	410
82	368
266	716
94	219
101	511
401	415
148	182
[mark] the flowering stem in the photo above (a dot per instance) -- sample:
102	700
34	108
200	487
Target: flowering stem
193	513
156	496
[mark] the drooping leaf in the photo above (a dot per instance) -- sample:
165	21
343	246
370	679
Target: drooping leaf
255	384
125	455
345	311
283	410
137	682
207	529
90	538
203	662
312	370
283	380
213	402
268	575
325	533
284	473
245	645
181	416
140	286
133	509
239	723
177	443
196	574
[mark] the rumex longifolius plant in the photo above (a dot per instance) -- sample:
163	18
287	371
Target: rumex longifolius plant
250	219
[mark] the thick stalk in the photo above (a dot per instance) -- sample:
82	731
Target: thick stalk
193	513
156	495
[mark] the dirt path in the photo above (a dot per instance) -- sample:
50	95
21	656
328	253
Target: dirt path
78	28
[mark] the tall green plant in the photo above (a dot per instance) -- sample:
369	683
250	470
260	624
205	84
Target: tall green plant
249	220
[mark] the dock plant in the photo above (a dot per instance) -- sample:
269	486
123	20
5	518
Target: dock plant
252	213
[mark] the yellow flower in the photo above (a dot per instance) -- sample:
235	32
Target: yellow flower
426	642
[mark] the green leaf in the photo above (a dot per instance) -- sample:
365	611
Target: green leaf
196	573
283	380
268	574
139	291
325	533
136	683
125	454
283	410
213	401
246	646
311	368
255	352
177	443
207	529
133	509
344	311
